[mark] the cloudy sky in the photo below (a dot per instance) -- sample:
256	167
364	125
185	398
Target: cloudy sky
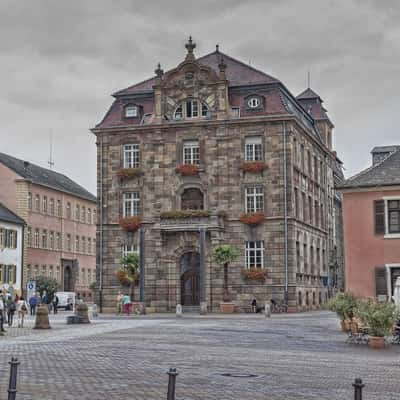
61	60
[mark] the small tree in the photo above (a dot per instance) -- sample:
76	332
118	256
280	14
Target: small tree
223	255
130	268
50	285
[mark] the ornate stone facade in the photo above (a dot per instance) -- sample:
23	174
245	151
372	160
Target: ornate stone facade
254	147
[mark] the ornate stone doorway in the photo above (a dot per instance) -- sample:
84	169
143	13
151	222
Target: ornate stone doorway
68	279
190	279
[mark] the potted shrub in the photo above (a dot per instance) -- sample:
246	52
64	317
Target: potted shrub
379	318
253	166
252	219
127	173
255	274
223	255
345	305
130	224
129	275
187	169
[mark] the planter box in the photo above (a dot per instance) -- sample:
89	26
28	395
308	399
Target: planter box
376	342
227	308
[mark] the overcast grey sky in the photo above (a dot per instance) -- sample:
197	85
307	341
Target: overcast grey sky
61	60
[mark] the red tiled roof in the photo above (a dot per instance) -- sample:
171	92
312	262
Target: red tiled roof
237	73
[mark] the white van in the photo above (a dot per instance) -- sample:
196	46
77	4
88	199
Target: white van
66	300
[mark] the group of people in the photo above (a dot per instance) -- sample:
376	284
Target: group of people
50	301
9	305
124	303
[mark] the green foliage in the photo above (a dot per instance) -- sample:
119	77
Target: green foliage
344	304
130	264
225	253
43	283
93	286
379	317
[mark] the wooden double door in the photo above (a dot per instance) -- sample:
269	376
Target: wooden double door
190	279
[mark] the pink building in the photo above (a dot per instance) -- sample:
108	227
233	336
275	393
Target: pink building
371	214
61	223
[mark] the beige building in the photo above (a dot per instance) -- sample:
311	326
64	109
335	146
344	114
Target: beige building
61	223
215	152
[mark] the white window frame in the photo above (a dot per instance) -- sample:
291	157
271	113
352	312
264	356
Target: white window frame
253	149
235	111
44	242
254	254
37	203
131	155
51	207
191	152
254	102
131	111
197	109
389	235
130	249
51	240
254	199
44	205
131	204
36	238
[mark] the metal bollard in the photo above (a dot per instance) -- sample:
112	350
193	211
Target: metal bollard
12	386
171	383
358	387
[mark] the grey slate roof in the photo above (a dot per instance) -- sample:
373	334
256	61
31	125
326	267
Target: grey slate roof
45	177
7	215
385	149
384	173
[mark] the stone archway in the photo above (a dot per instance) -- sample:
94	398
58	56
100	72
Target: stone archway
190	278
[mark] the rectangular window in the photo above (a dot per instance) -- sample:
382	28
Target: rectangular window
192	109
83	215
44	205
131	204
68	210
323	260
131	111
44	239
58	241
131	156
254	199
130	249
83	245
393	210
255	254
68	242
37	202
51	240
52	211
77	212
318	260
253	150
94	216
59	208
28	237
89	216
191	152
29	201
36	239
77	244
235	112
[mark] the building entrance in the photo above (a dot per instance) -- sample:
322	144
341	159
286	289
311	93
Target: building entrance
190	279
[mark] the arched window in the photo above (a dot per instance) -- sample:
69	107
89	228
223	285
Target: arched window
192	199
191	108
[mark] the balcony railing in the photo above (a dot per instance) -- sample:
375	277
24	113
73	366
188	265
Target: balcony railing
188	220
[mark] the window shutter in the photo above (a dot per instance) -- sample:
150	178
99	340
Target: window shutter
379	217
380	281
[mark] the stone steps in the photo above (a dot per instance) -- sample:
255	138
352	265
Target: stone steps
191	309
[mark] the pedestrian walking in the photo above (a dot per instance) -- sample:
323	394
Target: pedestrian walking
11	307
127	304
33	301
22	309
55	303
120	297
254	305
2	312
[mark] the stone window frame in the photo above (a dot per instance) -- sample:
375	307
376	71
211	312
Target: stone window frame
259	247
136	204
253	134
255	195
193	158
135	160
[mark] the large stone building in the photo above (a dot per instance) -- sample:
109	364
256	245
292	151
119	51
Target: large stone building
217	146
371	215
60	237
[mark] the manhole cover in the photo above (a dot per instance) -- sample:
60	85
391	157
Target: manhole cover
239	375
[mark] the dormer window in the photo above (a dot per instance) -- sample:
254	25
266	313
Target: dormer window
191	109
254	102
131	111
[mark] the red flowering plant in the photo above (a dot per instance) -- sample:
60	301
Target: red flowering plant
254	274
127	173
130	224
187	169
252	218
123	278
253	166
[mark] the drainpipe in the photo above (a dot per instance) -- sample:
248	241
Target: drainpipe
285	213
101	228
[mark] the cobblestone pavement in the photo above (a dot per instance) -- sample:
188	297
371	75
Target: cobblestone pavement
295	357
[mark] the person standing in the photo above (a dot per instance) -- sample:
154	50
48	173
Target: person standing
55	303
11	307
1	312
119	303
22	309
127	304
33	304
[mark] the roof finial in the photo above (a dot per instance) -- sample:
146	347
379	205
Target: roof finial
190	46
158	71
217	48
308	79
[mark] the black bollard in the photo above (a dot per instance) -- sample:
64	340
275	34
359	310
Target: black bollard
171	383
358	387
12	386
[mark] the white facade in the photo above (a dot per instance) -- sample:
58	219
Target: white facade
11	257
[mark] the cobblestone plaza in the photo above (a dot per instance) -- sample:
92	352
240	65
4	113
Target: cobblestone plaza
302	356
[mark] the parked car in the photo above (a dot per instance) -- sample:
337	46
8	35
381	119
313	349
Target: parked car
66	300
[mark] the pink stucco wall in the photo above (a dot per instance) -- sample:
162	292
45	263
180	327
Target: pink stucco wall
364	251
8	188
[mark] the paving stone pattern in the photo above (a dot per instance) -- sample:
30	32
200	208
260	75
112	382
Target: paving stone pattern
295	357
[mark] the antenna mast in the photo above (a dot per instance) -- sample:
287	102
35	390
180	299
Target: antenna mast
51	161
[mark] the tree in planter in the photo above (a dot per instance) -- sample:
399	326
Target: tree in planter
223	255
129	274
345	305
50	285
